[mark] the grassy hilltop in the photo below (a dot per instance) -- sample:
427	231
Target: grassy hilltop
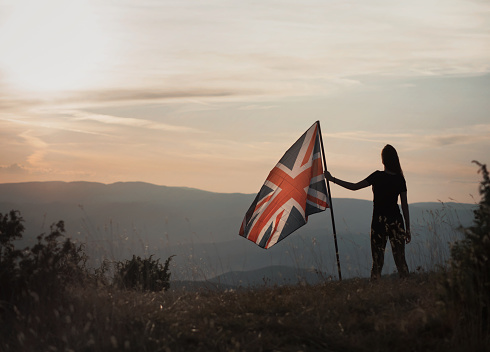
352	315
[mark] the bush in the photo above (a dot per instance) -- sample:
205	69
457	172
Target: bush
143	274
33	281
53	263
11	228
50	300
42	270
469	277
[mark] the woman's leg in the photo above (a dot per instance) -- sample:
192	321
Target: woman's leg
378	245
397	241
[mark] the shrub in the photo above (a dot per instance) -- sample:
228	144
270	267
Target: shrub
53	263
11	228
469	277
143	274
42	270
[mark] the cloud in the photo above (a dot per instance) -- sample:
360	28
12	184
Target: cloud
126	121
413	140
450	139
145	95
255	43
366	136
13	169
38	146
473	134
11	103
294	49
256	107
33	140
49	123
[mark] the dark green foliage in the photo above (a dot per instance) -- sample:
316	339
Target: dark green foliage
53	263
143	274
50	300
11	228
41	271
469	277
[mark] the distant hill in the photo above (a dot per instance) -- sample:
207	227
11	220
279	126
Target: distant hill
201	228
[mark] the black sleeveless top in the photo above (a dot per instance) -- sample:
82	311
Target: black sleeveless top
386	189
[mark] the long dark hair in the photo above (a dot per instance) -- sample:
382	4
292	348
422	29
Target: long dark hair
389	156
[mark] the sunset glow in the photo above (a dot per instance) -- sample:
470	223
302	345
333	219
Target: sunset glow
211	94
52	45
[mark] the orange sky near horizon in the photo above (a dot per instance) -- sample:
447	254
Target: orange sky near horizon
210	95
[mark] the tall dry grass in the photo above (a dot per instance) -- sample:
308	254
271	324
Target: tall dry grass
353	315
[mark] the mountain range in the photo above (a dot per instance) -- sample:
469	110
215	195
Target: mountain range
115	221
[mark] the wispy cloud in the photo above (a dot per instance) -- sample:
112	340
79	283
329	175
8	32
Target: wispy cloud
473	134
263	45
126	121
15	169
146	95
256	107
38	146
50	124
367	136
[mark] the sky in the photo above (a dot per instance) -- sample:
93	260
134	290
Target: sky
210	94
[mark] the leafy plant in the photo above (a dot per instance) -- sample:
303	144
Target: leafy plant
52	263
469	277
143	274
41	271
11	228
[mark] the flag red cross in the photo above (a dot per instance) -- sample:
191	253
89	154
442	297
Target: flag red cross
291	189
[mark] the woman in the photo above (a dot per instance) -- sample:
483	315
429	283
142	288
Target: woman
387	222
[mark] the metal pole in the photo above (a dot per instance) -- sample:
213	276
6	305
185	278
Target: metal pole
331	205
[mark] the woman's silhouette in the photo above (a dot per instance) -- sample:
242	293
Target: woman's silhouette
387	222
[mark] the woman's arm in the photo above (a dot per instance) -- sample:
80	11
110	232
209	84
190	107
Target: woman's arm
406	215
345	184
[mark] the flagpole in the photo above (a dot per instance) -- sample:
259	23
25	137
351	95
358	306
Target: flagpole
331	205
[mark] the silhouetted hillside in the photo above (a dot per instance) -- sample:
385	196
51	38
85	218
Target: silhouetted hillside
201	228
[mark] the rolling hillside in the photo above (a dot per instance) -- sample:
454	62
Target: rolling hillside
201	228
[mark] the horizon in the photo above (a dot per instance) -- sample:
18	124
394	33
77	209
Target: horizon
210	95
224	193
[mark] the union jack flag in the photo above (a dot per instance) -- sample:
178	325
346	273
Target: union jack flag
294	189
